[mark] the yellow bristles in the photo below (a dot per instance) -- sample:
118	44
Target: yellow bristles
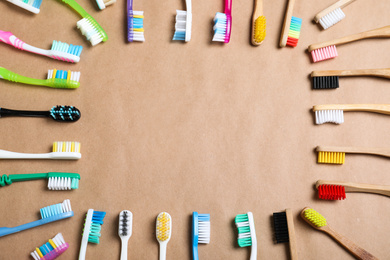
259	29
163	226
315	218
52	244
331	157
39	252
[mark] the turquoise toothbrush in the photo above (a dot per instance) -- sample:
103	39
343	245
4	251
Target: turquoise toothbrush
200	232
91	231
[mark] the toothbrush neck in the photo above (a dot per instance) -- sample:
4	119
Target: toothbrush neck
228	7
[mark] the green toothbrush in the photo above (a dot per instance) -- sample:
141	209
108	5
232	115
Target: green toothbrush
57	180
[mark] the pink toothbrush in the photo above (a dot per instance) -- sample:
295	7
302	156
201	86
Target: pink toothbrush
223	24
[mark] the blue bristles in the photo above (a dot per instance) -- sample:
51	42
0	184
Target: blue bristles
46	248
97	221
179	36
64	47
98	217
61	74
37	4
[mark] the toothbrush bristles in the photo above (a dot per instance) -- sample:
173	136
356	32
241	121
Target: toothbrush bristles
332	18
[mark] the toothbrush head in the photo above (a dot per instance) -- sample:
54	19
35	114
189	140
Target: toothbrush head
331	192
125	229
314	218
31	5
183	26
65	113
92	30
135	26
222	27
57	211
102	4
65	52
246	229
163	227
93	225
335	116
52	249
66	150
259	31
63	79
63	181
200	231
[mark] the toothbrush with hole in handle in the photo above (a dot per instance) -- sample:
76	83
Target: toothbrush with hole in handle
57	113
223	24
183	24
61	150
332	15
88	26
334	113
163	232
336	154
91	232
56	180
59	50
329	79
125	230
335	190
55	78
52	249
247	233
200	232
31	5
285	231
48	214
317	221
135	24
291	27
258	24
327	50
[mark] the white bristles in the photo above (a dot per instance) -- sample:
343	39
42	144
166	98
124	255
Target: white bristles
325	53
220	27
35	255
204	232
60	183
329	116
58	240
66	207
73	147
332	18
89	31
180	26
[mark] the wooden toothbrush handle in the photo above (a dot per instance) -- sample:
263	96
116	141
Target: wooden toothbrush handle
291	235
258	9
361	150
286	23
353	248
358	187
376	108
376	33
382	73
338	4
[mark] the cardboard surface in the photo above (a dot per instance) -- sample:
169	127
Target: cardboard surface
198	126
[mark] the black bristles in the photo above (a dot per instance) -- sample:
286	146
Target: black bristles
281	227
123	224
326	82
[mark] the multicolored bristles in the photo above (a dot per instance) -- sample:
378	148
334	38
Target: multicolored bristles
294	32
52	249
222	27
135	26
65	52
63	79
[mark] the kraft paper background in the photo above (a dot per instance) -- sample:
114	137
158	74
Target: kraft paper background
198	126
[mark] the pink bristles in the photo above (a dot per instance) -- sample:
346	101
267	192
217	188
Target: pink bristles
325	53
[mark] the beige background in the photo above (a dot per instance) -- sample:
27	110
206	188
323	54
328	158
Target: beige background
219	129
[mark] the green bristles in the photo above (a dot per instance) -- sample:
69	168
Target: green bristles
244	231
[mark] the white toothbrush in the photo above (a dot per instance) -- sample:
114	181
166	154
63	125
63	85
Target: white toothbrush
163	232
125	230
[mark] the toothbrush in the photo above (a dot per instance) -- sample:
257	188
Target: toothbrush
336	154
317	221
223	24
61	150
30	5
335	114
88	25
52	249
335	190
200	232
55	78
102	4
327	50
291	27
59	50
91	231
135	24
57	113
48	214
328	79
163	232
56	180
258	24
125	230
285	231
332	15
183	23
247	233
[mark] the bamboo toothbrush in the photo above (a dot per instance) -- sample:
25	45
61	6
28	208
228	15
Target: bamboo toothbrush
125	230
56	180
258	24
57	113
55	78
335	190
223	24
336	154
247	233
317	221
135	24
183	23
291	27
335	113
163	232
91	231
285	231
61	150
200	232
30	5
327	50
329	79
333	14
52	249
102	4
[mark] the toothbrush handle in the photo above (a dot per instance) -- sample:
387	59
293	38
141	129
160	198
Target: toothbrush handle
26	177
13	77
129	6
75	6
9	38
195	252
124	249
12	155
163	251
383	73
23	113
228	7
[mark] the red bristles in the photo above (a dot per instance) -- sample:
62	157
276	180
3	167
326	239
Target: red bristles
331	192
293	42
